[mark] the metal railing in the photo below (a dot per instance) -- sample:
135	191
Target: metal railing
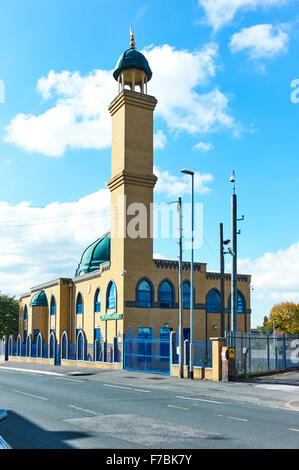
261	352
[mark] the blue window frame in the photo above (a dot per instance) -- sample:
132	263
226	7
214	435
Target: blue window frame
186	295
25	313
97	306
53	306
241	306
144	294
165	295
79	304
111	296
213	303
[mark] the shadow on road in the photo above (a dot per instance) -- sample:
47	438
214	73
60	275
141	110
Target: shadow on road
21	433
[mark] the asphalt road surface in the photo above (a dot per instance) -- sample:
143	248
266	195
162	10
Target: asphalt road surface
71	408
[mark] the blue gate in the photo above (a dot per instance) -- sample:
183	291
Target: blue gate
147	355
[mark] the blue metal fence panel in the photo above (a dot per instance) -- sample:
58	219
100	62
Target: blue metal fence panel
147	355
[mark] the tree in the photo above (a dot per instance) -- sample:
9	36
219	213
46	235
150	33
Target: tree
9	315
284	318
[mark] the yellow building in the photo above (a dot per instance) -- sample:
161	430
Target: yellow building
119	286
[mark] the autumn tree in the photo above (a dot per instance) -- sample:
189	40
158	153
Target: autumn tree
9	315
285	318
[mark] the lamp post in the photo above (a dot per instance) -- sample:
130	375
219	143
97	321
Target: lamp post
222	253
234	292
191	173
181	343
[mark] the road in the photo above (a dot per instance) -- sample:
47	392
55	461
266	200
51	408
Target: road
68	408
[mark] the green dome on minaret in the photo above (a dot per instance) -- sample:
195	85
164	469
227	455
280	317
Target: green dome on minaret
132	59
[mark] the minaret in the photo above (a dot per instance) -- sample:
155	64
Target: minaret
132	179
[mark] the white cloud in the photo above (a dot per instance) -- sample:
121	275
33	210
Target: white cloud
41	244
219	13
261	41
160	140
204	146
174	185
176	76
79	118
275	275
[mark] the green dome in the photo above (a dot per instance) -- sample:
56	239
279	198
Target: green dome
95	254
132	59
39	300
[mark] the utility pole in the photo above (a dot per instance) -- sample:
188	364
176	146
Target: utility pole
234	294
222	318
234	291
181	345
191	173
222	310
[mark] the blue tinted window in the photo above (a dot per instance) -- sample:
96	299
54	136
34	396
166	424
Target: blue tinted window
240	303
144	294
98	301
79	304
213	302
186	295
165	295
53	306
111	296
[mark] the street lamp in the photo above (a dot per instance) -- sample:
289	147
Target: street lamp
222	253
191	173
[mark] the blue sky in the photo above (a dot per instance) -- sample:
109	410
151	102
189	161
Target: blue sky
222	74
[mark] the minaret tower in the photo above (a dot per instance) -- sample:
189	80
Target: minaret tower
132	179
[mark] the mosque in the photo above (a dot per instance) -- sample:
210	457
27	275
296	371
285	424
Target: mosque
118	286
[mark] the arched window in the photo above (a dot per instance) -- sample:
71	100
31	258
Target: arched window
52	345
64	345
53	306
81	346
213	302
186	294
241	304
79	304
25	313
144	294
111	296
97	300
165	295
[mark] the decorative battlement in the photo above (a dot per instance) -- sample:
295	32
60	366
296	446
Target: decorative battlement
227	277
172	264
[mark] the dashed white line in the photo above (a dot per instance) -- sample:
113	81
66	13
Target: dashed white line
178	407
30	395
201	399
117	386
83	409
127	388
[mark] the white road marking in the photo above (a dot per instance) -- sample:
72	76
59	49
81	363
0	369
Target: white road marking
178	407
234	417
201	399
29	371
293	429
127	388
30	395
71	380
83	409
117	386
